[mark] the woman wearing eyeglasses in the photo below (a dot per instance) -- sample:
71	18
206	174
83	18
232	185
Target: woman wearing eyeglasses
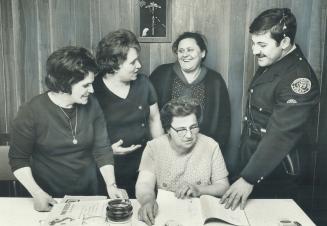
183	160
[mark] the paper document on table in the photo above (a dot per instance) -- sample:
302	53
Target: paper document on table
75	213
184	212
72	198
212	210
195	211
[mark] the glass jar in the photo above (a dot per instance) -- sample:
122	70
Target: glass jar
119	212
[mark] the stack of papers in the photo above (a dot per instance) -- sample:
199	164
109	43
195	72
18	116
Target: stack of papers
78	211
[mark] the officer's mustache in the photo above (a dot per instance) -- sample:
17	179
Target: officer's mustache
260	55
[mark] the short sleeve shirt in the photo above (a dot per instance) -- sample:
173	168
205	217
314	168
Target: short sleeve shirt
203	165
128	118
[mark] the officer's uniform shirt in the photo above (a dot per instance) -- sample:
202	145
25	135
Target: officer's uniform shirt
281	99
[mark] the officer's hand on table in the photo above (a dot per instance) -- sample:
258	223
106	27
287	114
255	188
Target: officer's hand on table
119	150
186	191
42	201
148	212
238	193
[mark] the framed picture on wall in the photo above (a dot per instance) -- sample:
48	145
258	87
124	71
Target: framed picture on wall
152	21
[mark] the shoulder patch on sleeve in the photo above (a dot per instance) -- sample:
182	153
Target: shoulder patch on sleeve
301	85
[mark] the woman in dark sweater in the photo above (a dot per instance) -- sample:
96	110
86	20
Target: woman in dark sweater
189	77
129	103
59	137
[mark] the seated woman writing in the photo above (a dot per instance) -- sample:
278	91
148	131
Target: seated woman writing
60	137
183	160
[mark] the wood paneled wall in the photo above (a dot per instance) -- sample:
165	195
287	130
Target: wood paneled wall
31	29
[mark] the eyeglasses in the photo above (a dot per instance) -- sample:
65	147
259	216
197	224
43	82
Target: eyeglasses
183	131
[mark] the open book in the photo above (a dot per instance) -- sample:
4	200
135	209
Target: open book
195	211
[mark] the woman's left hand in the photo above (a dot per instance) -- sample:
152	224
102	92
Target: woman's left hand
118	149
116	193
187	191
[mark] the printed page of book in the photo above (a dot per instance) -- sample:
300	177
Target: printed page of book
181	212
212	210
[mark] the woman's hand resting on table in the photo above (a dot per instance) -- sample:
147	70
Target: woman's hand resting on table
187	190
148	212
116	193
42	201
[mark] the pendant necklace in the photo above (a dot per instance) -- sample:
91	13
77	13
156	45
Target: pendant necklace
70	124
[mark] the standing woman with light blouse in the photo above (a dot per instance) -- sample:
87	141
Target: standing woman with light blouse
59	138
129	103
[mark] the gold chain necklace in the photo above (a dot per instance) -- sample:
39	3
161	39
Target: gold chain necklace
70	124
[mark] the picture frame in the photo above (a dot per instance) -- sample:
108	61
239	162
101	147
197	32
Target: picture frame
152	20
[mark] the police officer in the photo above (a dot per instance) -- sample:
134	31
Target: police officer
281	102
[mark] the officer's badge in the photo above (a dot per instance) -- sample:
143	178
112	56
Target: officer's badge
291	101
301	85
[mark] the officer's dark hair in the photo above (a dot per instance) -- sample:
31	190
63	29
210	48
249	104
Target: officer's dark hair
199	39
281	22
179	107
112	50
67	66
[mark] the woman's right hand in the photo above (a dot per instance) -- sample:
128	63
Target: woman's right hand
43	202
187	190
148	211
116	193
119	150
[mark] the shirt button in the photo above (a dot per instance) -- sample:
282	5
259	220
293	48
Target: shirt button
251	90
245	118
142	124
261	178
260	109
258	181
164	185
140	107
300	58
198	183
